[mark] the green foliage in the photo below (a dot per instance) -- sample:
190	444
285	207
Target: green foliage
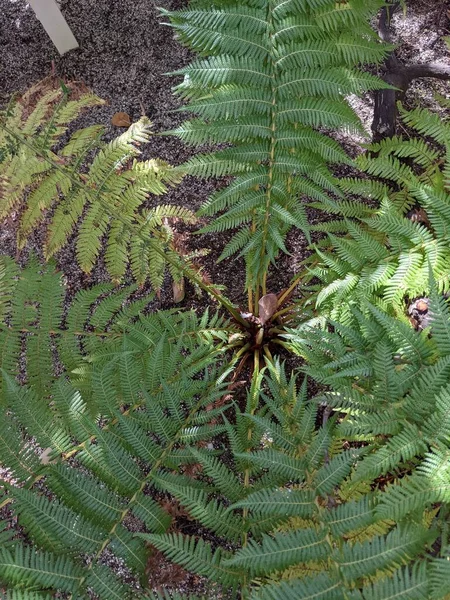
36	334
79	183
354	505
271	74
382	249
126	435
113	431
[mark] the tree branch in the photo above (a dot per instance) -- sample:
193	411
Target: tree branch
400	77
410	72
384	22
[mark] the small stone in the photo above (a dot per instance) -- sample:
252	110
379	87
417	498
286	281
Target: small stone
421	306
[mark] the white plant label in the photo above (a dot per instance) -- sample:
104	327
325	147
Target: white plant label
49	14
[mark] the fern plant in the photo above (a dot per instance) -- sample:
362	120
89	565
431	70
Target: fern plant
272	75
381	248
126	434
301	510
359	507
83	184
120	415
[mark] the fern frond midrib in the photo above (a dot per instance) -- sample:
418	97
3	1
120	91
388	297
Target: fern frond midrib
261	282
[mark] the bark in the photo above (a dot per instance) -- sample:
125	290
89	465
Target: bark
399	76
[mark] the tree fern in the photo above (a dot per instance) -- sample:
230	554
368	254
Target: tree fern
297	510
125	434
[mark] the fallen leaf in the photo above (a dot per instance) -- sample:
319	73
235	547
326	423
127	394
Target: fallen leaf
267	307
121	119
178	290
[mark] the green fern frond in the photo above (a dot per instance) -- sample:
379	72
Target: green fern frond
106	201
284	503
195	555
398	547
21	595
308	588
399	238
405	583
270	77
26	566
281	551
439	573
293	502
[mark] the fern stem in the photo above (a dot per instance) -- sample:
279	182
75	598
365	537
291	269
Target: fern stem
276	330
264	284
262	280
242	350
249	288
283	311
253	407
250	299
255	308
49	127
285	295
283	344
268	355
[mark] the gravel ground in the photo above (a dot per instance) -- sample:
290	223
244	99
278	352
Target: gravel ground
124	54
